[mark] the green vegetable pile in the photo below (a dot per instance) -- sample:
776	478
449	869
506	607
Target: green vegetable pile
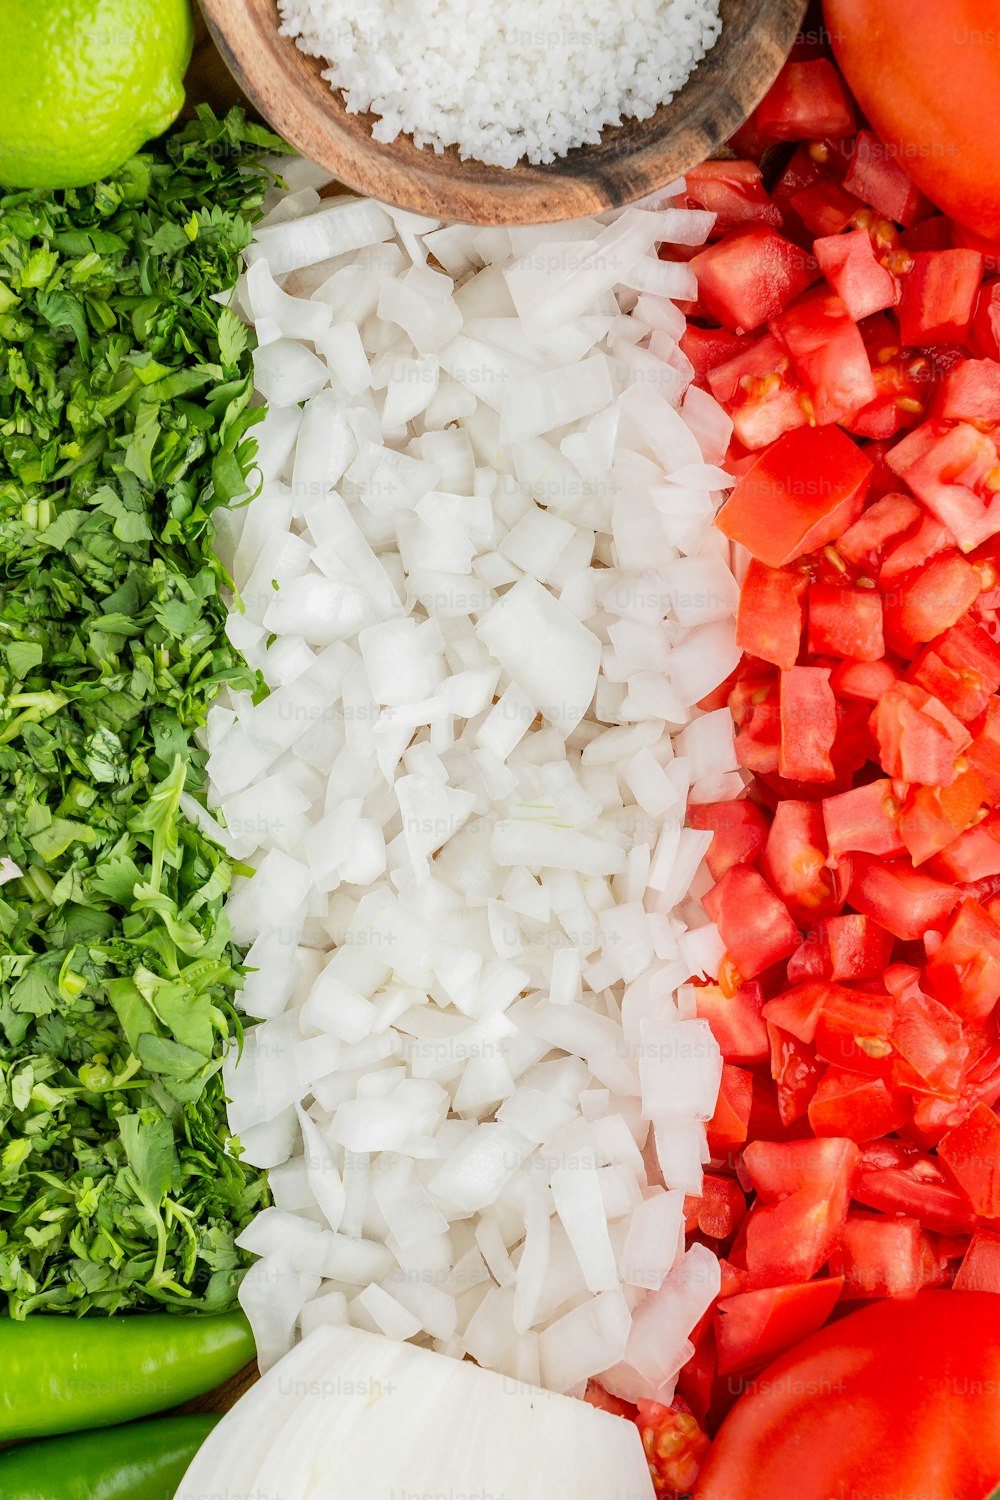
125	419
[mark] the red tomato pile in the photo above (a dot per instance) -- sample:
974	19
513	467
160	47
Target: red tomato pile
851	331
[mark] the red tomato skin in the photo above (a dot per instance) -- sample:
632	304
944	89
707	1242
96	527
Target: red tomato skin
770	614
708	347
896	1399
970	392
878	178
865	819
750	276
755	925
793	1238
808	725
734	191
863	285
980	1270
825	208
939	297
880	1256
971	1153
739	832
752	1327
915	1185
947	467
854	1107
760	390
918	739
964	973
845	622
794	863
727	1129
807	101
737	1023
828	354
799	495
904	902
890	516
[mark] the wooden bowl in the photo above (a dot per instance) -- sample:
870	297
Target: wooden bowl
630	161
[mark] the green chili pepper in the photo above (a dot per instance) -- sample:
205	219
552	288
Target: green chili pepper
67	1374
140	1461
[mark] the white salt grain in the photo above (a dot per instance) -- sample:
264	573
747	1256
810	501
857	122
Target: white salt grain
505	79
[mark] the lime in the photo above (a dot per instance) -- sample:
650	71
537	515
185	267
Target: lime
85	83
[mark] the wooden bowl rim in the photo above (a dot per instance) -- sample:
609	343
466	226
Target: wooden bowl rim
632	160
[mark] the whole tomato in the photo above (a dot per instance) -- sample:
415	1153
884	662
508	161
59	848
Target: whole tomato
927	75
900	1399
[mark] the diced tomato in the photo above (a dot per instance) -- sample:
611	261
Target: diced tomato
921	605
812	162
962	692
970	392
799	495
732	190
776	1170
974	855
760	390
727	1129
864	819
930	537
736	1021
748	277
928	1038
984	336
755	925
955	471
933	816
903	381
935	1113
914	1184
858	947
720	1210
798	1010
770	615
984	752
828	355
674	1445
707	348
889	517
794	863
863	285
755	705
939	297
739	832
808	724
980	1270
854	1105
876	177
795	1072
918	739
807	101
864	681
968	648
880	1257
752	1327
854	1030
792	1238
845	622
971	1153
825	208
900	899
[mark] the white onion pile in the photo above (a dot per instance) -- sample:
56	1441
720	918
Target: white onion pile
348	1416
482	584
